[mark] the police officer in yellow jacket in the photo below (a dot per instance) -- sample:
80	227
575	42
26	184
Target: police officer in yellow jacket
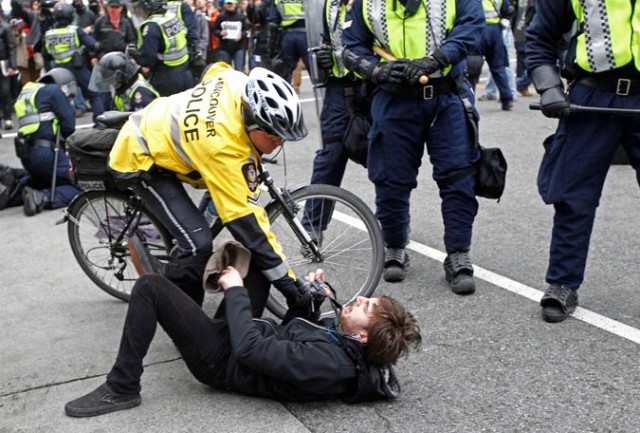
163	50
430	39
212	136
602	66
289	14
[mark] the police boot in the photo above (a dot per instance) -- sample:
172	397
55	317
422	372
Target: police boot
34	201
395	262
459	271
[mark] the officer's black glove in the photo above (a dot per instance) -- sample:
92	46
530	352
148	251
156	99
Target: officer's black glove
388	72
324	58
554	103
426	66
553	100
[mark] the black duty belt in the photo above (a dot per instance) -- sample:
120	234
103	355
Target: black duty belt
41	142
621	86
170	70
436	86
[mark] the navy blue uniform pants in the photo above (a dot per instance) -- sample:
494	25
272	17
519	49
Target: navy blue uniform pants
400	128
495	53
294	48
330	161
39	164
572	173
169	83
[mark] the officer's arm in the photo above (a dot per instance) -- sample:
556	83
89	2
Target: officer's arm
64	112
466	32
147	55
356	37
552	19
86	40
189	18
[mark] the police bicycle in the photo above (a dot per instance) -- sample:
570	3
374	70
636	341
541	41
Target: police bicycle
318	226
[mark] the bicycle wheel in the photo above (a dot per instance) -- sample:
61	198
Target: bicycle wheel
100	224
349	239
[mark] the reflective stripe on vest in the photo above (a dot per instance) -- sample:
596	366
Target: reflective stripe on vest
609	34
491	11
335	11
390	30
62	43
123	101
174	35
174	7
27	113
290	11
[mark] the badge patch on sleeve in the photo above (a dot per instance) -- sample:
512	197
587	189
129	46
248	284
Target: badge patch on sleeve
250	175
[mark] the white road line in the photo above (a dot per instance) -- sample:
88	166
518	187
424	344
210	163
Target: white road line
14	134
587	316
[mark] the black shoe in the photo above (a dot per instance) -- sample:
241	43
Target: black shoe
507	106
34	201
395	262
102	400
141	258
458	271
558	303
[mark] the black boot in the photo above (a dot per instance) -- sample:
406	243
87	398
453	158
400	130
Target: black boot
34	201
459	272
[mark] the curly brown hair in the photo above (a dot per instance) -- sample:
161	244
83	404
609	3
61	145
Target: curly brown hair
392	333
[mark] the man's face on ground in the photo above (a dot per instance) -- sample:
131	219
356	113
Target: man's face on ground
356	318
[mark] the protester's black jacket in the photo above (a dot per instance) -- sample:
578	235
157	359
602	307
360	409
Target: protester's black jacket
299	361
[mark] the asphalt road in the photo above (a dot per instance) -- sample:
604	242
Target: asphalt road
488	364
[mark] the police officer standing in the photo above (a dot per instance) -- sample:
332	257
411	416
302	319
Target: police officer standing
289	14
64	46
45	115
603	66
344	94
406	114
494	50
162	48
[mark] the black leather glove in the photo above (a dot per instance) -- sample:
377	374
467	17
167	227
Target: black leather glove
554	103
389	72
324	58
553	100
425	66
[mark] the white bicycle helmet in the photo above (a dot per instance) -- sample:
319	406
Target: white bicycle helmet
274	105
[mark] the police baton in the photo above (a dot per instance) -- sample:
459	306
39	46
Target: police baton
574	108
56	150
391	58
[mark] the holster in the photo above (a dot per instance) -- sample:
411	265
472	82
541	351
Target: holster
22	146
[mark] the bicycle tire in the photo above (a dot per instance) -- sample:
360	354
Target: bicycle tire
352	246
96	218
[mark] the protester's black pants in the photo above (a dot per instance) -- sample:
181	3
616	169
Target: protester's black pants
202	341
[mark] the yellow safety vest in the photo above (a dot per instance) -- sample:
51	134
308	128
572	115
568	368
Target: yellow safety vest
123	101
414	37
491	11
290	11
62	43
174	35
335	12
609	34
27	112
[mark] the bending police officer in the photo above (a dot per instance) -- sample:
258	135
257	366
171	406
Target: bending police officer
211	137
117	74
